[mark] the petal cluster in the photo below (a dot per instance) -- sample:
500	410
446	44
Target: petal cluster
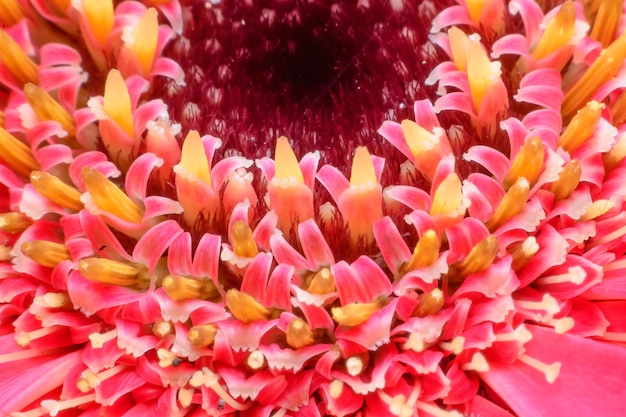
144	275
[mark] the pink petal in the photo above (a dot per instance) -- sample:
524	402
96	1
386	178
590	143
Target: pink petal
526	391
138	175
374	333
314	244
179	255
392	247
155	242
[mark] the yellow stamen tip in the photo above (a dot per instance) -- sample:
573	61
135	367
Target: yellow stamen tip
182	288
480	258
56	190
363	172
193	158
109	197
287	167
145	39
430	303
202	335
111	272
117	103
48	254
17	154
482	74
242	241
246	308
47	108
448	198
527	163
559	31
299	334
458	45
100	16
323	282
581	127
354	314
511	204
16	61
425	253
568	180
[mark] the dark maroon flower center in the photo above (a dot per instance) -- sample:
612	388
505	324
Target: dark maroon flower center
323	73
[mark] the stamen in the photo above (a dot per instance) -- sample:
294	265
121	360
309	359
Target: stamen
430	303
511	204
14	222
596	209
162	329
435	411
62	5
194	159
47	108
482	74
612	158
356	364
362	204
609	237
354	314
606	21
53	300
16	60
524	252
10	12
551	371
478	363
202	335
16	154
99	339
56	190
548	304
455	346
256	360
581	127
144	39
182	288
575	275
415	342
166	357
615	265
618	110
185	397
562	325
521	334
323	282
24	338
54	406
448	198
89	380
287	167
209	379
427	147
602	70
116	101
100	16
426	252
458	46
109	197
27	354
475	9
242	240
480	258
559	31
568	181
111	272
399	405
299	334
48	254
335	388
528	163
246	308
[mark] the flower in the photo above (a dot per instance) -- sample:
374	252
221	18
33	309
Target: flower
229	208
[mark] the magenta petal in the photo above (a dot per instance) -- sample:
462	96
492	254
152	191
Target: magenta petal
314	244
591	381
179	255
153	244
392	247
206	260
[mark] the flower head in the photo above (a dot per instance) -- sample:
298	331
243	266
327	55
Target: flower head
231	208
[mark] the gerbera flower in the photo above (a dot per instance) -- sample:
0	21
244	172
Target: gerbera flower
306	208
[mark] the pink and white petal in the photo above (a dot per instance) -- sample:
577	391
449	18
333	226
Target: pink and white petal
480	406
155	242
111	389
156	206
286	254
496	280
462	237
254	282
393	248
308	165
455	101
314	244
290	360
451	16
250	388
179	255
316	316
206	259
95	160
52	155
528	393
375	332
333	180
490	158
392	131
102	239
513	44
265	229
245	337
138	175
225	167
91	297
412	197
351	286
541	87
168	68
147	112
277	294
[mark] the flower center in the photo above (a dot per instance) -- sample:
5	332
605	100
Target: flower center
325	74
